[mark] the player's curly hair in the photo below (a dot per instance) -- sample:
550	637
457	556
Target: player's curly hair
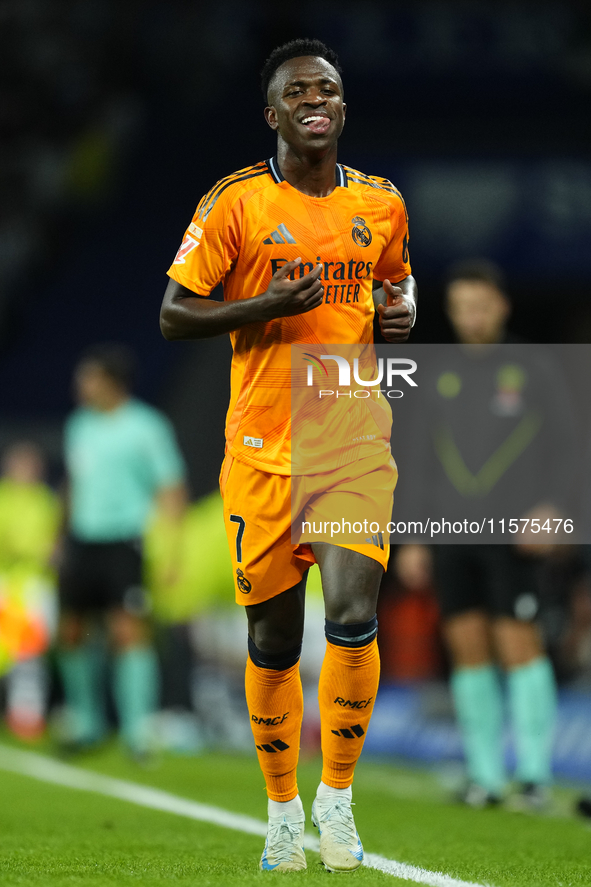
292	50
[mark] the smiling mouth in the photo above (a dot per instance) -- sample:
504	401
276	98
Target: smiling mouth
317	123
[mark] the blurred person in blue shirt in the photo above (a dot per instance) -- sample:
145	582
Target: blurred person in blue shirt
122	461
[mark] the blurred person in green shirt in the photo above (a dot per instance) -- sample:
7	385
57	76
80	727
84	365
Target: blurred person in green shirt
122	461
29	525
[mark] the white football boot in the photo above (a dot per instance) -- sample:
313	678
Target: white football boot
340	847
284	847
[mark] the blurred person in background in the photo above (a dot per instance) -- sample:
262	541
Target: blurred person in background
251	231
197	646
489	593
30	518
122	461
409	618
581	632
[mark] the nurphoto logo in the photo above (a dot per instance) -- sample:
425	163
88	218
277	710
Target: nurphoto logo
389	369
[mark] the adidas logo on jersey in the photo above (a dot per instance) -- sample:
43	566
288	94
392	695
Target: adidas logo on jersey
280	235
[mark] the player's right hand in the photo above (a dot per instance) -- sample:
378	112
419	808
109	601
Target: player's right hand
284	297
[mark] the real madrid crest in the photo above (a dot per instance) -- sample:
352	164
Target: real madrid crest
360	233
243	583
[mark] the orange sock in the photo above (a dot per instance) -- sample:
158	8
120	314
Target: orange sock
346	694
276	705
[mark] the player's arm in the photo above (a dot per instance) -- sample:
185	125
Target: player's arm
171	501
188	315
397	306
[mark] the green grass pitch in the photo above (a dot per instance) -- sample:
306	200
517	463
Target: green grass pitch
50	835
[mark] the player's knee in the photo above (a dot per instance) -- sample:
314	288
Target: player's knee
278	660
518	643
275	639
519	654
70	631
353	634
277	625
127	631
468	639
344	609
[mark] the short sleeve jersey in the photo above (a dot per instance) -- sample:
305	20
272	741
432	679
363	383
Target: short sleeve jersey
248	226
117	461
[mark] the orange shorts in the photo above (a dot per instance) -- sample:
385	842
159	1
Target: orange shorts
267	555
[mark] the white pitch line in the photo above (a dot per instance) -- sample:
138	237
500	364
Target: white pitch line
413	872
47	769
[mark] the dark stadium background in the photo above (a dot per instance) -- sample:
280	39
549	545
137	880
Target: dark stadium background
117	115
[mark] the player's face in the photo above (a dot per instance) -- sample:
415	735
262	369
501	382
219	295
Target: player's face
307	108
477	310
23	464
93	386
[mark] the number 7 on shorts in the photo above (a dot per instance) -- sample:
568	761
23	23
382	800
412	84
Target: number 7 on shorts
236	519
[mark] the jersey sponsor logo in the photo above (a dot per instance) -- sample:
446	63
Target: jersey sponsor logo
270	722
351	270
334	293
194	229
275	746
256	442
188	244
358	703
280	235
360	232
354	732
242	582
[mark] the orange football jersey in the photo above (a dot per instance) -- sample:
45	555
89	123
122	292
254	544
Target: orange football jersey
243	231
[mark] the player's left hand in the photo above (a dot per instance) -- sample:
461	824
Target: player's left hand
396	318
